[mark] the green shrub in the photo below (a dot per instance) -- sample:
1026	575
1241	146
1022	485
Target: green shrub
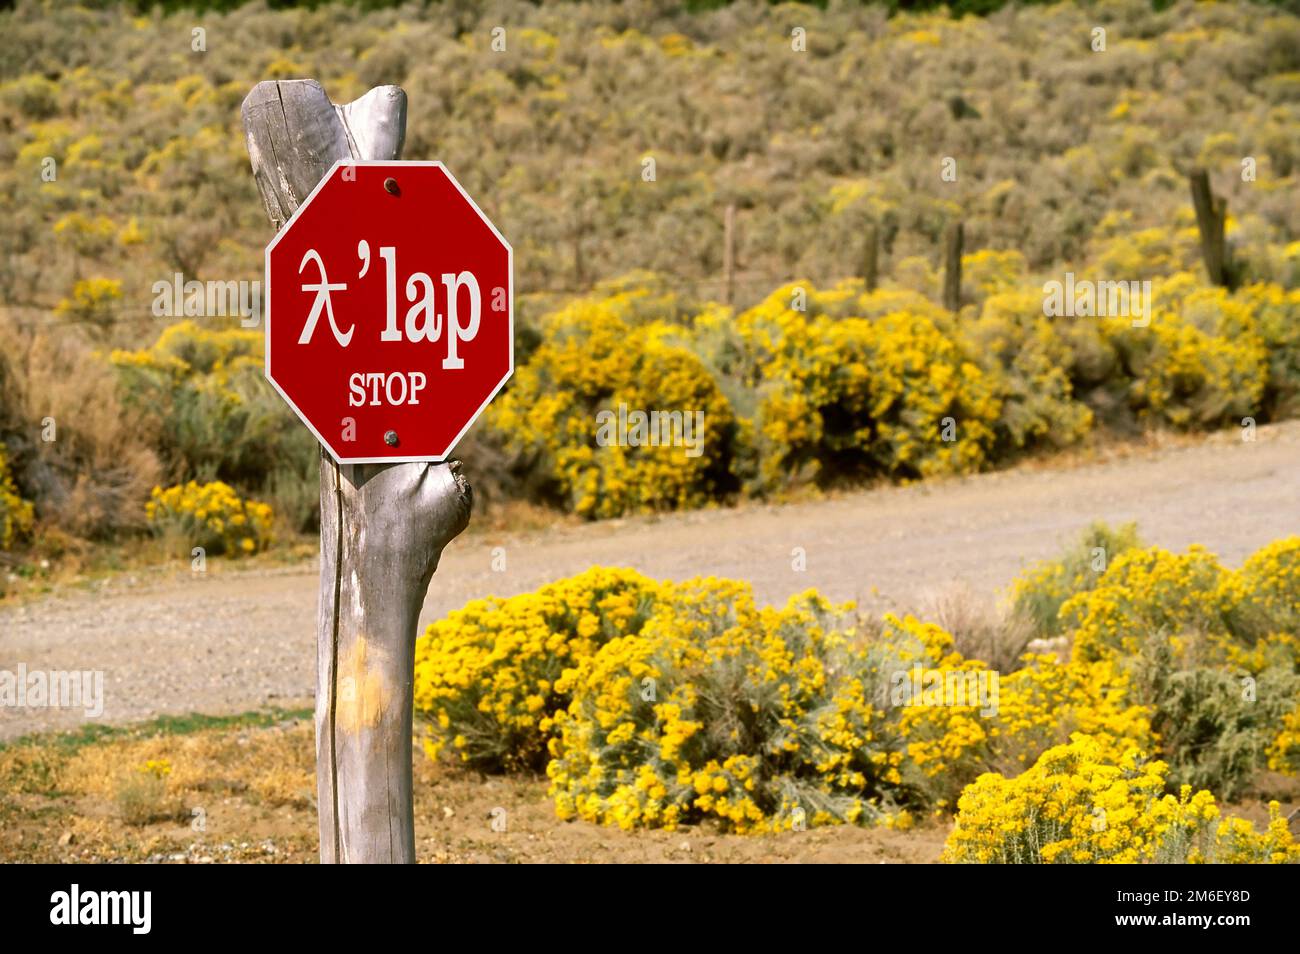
1214	725
217	418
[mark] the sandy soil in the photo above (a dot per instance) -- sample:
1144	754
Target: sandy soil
460	817
231	640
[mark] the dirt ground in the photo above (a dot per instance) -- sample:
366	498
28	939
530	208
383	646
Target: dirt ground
244	792
252	788
230	640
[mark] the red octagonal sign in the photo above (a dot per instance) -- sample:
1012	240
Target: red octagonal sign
389	311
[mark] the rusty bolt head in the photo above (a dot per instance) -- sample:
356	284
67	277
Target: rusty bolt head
390	186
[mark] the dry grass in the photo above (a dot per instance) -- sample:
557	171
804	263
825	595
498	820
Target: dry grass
91	479
144	798
274	765
253	788
980	628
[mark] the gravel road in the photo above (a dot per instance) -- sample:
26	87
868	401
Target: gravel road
233	640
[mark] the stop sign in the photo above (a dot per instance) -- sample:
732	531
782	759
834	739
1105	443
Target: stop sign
389	311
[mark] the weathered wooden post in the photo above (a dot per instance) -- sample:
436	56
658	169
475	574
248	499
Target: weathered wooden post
952	267
729	255
383	526
579	272
1211	217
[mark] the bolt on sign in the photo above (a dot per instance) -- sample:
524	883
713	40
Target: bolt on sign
390	311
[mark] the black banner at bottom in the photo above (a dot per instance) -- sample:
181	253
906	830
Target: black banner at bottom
216	903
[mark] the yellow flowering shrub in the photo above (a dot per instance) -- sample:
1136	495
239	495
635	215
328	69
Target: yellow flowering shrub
851	396
1041	591
658	704
1269	584
1026	353
1092	800
565	410
1276	314
1249	615
1143	253
88	235
207	360
92	300
1038	706
1200	362
649	698
1047	700
1158	659
160	768
1238	843
1284	750
1147	590
837	384
211	516
760	719
206	350
992	271
1084	801
1205	648
486	676
16	514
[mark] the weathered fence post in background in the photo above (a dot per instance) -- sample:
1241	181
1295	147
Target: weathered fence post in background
383	526
952	267
870	256
579	272
1211	216
729	255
